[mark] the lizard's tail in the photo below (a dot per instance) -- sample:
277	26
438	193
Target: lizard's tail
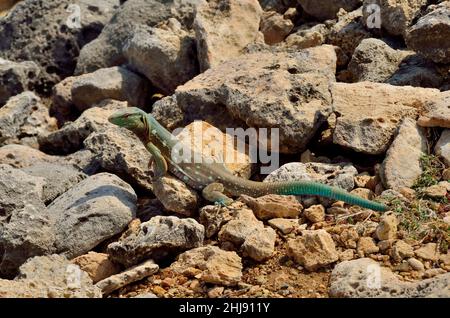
314	188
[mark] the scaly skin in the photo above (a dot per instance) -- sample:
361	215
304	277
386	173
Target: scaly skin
214	179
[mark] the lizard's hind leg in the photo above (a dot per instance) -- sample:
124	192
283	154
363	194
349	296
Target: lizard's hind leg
214	193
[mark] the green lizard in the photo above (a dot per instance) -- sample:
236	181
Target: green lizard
215	181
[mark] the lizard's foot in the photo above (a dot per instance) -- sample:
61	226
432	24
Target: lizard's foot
214	193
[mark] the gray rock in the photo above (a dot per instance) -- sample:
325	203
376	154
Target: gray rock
38	31
289	91
106	49
442	147
116	83
92	211
70	137
402	167
49	277
158	238
16	78
166	55
223	28
23	119
168	113
375	61
279	6
58	178
429	36
120	151
327	9
366	278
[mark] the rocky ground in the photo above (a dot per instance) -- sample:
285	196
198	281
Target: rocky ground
361	106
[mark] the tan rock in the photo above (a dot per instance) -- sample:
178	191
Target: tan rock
363	193
437	113
387	228
216	265
442	148
346	255
416	264
97	265
275	27
349	237
176	196
428	252
306	37
366	181
366	246
401	250
285	226
313	250
274	206
436	191
446	174
260	245
315	213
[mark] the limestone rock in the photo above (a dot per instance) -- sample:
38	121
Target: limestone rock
437	113
442	148
16	78
315	213
387	228
402	250
275	27
97	265
428	252
366	246
285	226
274	206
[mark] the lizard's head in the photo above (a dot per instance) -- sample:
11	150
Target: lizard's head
131	118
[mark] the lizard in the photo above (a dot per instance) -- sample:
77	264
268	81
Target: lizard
215	181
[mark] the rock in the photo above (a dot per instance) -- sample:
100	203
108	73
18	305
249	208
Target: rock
223	28
433	272
375	61
366	181
395	16
97	265
212	218
313	250
215	292
16	78
346	255
156	239
277	5
402	166
442	147
387	228
349	238
307	36
363	193
273	206
339	175
216	265
47	33
365	278
370	113
249	235
62	106
328	9
168	113
445	174
176	196
49	277
166	55
297	100
116	83
275	27
437	113
106	50
366	246
70	137
131	275
416	264
315	213
434	27
436	191
402	250
285	226
23	119
428	251
58	178
120	151
91	212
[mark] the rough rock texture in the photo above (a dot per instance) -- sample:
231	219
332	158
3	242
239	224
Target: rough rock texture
402	166
428	252
92	211
395	16
365	278
106	49
387	228
437	113
281	90
307	36
315	213
285	226
127	277
53	39
23	119
157	238
442	148
120	151
369	113
16	78
215	265
71	136
327	9
429	36
166	55
176	196
97	265
213	219
375	61
274	206
223	28
116	83
275	27
49	277
313	250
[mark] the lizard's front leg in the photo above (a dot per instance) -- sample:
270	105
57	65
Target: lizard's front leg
160	163
214	193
